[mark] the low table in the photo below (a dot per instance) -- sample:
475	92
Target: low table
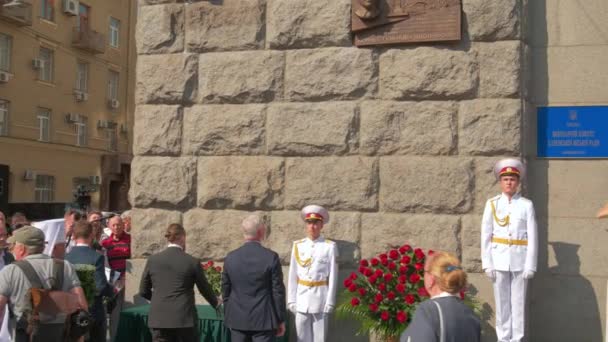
133	325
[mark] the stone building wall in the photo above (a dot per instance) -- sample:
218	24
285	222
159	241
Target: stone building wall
266	106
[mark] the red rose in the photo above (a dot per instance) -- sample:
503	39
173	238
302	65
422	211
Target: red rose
401	317
218	268
392	266
385	315
355	301
414	278
419	254
402	279
403	269
390	295
379	273
352	288
362	291
384	262
388	276
348	282
205	267
419	266
373	307
410	299
422	292
406	260
383	256
430	252
375	262
364	263
382	287
372	279
393	254
362	269
378	297
353	275
210	263
462	294
368	272
405	249
400	288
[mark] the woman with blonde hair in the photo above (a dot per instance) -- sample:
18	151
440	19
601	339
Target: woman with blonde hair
444	317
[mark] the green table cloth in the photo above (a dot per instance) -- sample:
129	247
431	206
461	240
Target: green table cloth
133	325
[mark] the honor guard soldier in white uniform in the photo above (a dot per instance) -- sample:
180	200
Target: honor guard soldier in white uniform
509	249
313	276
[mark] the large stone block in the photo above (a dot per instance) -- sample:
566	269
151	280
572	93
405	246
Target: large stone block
214	233
240	183
500	68
428	73
471	243
219	27
381	232
322	181
156	2
489	127
490	20
343	228
331	73
312	129
408	127
160	29
224	130
158	130
308	23
149	226
169	79
241	77
162	182
423	184
486	186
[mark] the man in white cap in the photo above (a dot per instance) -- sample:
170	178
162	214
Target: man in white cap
313	276
509	249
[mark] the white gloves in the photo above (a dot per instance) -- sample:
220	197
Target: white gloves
491	273
328	309
528	274
292	307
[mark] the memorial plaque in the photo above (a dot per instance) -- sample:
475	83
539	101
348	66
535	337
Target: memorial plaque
378	22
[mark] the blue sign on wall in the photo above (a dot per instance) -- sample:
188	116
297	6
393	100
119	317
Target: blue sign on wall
573	132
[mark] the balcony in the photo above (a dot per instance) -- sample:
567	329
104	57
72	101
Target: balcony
88	40
19	13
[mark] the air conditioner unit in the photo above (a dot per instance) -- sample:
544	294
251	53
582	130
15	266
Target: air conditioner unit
70	7
103	124
113	104
72	118
37	63
95	180
80	96
4	77
29	175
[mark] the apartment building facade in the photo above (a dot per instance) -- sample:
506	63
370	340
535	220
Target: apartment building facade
66	108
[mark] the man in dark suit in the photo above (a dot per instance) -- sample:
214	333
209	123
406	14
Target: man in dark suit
168	281
253	289
82	254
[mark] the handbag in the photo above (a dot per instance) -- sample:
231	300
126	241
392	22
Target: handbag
441	325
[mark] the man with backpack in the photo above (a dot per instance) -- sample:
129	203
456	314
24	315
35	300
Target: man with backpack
34	284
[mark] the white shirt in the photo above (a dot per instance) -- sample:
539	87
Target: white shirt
445	294
174	245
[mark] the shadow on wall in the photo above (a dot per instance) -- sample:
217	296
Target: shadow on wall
488	333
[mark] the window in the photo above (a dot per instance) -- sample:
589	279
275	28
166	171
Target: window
4	117
45	188
47	10
46	69
5	52
114	32
44	124
112	139
113	85
83	18
82	76
81	132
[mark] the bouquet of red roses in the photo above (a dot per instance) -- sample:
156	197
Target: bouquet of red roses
384	293
214	276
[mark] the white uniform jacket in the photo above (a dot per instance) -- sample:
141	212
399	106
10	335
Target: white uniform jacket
313	275
511	254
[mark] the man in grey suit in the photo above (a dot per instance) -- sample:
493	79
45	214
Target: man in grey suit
168	281
253	289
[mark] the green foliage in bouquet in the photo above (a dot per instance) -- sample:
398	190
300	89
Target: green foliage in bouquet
86	275
214	276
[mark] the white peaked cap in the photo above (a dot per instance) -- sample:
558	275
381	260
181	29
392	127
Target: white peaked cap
312	210
504	164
